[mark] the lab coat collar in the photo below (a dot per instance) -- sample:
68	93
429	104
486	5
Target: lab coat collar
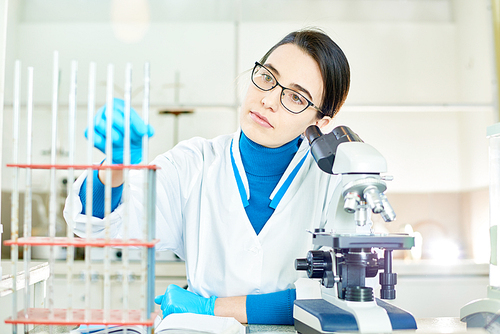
286	179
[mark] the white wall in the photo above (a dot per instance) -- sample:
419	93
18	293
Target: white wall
402	53
189	48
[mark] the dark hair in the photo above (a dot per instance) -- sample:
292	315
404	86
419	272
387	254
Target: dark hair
332	62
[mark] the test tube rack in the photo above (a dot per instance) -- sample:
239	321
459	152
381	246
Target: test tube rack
51	316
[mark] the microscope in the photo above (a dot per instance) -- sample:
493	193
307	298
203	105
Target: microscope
345	255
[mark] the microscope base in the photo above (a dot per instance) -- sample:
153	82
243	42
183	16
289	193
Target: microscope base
317	316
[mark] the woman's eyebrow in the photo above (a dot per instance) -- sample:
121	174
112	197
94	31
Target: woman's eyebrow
272	68
302	89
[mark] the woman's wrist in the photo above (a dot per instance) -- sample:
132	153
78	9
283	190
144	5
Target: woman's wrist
116	177
232	307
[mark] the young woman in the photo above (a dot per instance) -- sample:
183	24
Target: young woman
236	208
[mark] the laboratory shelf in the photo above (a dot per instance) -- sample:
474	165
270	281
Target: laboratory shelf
43	316
80	242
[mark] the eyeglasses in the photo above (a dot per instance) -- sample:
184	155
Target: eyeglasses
291	100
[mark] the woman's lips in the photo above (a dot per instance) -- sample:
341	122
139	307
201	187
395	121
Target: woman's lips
261	120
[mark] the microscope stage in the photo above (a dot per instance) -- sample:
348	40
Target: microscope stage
386	241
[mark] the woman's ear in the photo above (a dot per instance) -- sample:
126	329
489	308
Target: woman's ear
321	123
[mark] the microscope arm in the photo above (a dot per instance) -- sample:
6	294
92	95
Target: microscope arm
361	188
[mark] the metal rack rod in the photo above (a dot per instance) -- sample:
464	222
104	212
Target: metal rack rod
151	209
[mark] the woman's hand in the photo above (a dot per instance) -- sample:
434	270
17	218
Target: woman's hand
137	130
179	300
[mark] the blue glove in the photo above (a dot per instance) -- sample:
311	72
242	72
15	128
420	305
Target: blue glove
178	300
137	130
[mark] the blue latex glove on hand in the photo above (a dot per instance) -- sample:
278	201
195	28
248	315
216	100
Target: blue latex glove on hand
137	130
178	300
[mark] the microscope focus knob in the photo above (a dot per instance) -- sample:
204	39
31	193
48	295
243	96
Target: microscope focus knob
388	282
301	264
316	264
388	279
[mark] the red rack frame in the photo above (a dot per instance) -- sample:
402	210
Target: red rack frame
46	316
42	316
80	242
100	167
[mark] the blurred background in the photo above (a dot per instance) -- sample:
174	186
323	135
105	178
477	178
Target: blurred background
424	89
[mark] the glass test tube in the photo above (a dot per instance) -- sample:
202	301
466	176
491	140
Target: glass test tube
71	177
145	153
53	199
90	179
126	190
107	188
28	195
14	219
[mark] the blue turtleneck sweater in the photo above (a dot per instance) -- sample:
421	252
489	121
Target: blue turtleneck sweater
264	167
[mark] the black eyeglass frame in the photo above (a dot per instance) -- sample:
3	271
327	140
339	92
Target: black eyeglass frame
309	103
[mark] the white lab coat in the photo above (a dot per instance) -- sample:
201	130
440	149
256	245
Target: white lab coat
200	216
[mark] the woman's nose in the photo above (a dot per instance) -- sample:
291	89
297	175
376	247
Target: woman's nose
271	99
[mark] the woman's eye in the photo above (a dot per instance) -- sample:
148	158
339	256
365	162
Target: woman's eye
296	98
267	77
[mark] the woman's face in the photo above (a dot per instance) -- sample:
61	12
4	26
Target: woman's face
263	118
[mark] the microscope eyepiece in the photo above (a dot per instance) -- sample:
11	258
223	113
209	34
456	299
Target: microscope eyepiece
313	133
324	146
345	134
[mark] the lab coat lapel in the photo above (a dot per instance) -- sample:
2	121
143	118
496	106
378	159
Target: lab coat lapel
239	171
230	240
282	188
